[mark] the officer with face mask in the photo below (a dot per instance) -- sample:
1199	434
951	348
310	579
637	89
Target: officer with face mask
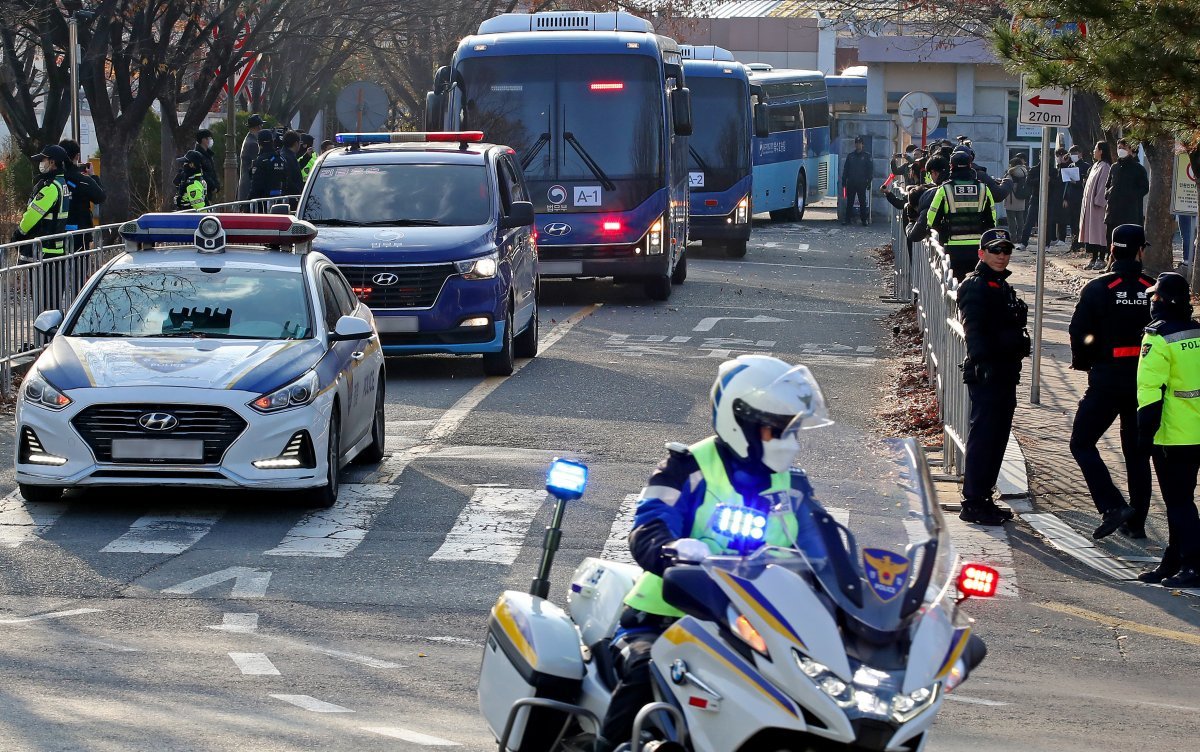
1168	394
204	144
47	213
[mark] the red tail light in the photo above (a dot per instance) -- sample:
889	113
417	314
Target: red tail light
611	226
710	202
978	581
607	86
362	292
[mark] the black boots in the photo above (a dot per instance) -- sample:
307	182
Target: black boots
1113	519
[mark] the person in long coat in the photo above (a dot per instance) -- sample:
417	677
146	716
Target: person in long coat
1092	230
1128	184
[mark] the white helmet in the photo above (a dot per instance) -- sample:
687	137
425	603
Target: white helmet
754	390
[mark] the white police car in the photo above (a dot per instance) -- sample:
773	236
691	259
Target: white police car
189	362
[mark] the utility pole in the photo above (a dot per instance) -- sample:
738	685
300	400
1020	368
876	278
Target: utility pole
231	166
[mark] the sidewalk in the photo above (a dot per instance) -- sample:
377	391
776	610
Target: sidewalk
1055	482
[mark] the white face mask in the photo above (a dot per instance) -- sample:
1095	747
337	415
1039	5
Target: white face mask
1122	153
778	454
1074	157
45	167
206	143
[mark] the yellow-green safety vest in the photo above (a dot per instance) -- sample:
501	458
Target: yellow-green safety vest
195	193
49	207
966	203
781	531
1169	370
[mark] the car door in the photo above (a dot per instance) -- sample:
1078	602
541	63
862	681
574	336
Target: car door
524	263
348	356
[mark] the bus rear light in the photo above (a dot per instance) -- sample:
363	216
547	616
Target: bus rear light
710	202
607	86
611	226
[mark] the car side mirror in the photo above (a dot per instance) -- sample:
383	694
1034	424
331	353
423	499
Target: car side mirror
350	328
681	111
281	209
47	322
520	214
762	127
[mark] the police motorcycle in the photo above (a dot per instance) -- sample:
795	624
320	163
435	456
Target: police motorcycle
850	641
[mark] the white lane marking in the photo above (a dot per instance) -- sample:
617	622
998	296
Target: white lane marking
985	545
254	664
238	623
492	526
699	262
707	324
51	615
171	533
332	533
1063	537
248	582
425	740
616	548
20	522
359	658
873	314
976	701
311	703
443	638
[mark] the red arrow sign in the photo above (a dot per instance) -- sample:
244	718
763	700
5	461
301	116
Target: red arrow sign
1038	101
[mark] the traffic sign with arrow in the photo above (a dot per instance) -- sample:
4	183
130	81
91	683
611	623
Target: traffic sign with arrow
1049	107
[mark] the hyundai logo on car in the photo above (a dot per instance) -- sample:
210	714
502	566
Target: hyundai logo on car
557	229
384	279
158	421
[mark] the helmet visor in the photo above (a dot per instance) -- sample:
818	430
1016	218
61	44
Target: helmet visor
791	403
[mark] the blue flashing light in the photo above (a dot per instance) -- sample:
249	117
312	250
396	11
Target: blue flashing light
567	479
363	138
162	228
740	523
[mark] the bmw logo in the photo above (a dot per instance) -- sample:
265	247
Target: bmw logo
557	229
158	421
385	279
557	194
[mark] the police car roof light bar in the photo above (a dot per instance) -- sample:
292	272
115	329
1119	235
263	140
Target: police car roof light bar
409	137
205	230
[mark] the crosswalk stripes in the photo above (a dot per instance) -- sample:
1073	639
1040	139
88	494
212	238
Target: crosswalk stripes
492	526
616	548
21	522
164	533
332	533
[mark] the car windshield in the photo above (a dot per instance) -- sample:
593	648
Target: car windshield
718	144
220	302
399	195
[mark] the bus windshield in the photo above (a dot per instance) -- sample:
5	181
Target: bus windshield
717	146
585	122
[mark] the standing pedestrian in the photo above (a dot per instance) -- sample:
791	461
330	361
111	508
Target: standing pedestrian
1106	334
993	319
247	156
1073	193
857	172
268	168
307	157
1127	185
204	144
1017	202
961	209
47	214
191	187
1168	389
86	188
293	183
1057	223
1092	230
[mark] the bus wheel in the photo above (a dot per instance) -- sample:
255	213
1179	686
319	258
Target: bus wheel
735	249
796	213
680	272
658	288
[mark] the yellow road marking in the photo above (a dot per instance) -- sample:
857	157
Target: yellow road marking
1132	626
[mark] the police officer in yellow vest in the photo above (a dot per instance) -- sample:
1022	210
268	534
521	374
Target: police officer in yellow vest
192	187
47	214
759	404
960	211
1168	392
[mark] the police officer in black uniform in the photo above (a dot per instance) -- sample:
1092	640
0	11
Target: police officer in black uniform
994	320
269	168
1106	338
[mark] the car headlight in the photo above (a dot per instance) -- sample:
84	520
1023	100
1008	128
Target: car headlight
37	391
479	268
302	391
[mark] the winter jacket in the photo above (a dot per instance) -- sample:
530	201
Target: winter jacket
1128	184
857	170
1091	215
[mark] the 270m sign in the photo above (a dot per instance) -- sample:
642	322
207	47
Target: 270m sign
1046	106
1045	118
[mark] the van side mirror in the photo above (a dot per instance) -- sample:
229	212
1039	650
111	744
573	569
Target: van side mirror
519	215
762	127
281	209
681	111
435	106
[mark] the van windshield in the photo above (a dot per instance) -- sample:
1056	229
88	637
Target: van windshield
396	195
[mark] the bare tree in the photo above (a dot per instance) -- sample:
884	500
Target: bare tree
34	71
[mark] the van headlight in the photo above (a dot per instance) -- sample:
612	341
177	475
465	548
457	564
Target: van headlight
38	391
302	391
483	267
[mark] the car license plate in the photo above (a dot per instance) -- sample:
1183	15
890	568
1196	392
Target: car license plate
393	324
560	268
157	449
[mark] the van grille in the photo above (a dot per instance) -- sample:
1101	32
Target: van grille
416	285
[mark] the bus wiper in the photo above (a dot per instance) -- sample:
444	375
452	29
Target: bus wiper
696	156
403	222
608	184
537	146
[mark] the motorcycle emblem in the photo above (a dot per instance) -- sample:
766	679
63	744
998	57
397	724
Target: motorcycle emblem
385	279
887	573
557	229
158	421
557	194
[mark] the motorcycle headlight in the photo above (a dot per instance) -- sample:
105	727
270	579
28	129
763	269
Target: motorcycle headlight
37	391
479	268
302	391
839	691
909	706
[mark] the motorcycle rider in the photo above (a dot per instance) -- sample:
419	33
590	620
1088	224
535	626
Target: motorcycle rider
759	404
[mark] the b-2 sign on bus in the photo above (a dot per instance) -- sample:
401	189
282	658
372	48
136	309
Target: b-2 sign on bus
1047	106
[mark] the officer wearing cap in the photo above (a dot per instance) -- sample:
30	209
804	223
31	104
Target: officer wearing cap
308	157
204	144
857	172
994	319
192	188
1106	335
1168	394
961	209
269	168
247	156
48	209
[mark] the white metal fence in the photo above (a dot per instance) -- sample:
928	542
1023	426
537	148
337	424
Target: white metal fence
32	281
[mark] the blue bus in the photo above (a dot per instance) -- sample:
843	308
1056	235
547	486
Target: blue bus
792	163
719	169
596	109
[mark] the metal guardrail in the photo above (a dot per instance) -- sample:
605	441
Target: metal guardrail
32	281
925	279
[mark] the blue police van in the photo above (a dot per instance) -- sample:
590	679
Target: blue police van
434	233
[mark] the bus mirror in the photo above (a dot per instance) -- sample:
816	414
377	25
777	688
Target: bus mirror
761	127
435	104
681	106
441	79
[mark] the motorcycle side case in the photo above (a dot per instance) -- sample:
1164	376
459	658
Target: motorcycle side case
597	596
532	650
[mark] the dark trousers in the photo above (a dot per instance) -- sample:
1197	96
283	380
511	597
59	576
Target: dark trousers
1176	468
1098	409
963	259
992	408
631	655
1074	208
1097	251
854	192
1016	223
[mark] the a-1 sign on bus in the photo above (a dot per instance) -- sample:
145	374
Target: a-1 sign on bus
1047	106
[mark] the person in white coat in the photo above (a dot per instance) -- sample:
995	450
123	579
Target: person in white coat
1092	230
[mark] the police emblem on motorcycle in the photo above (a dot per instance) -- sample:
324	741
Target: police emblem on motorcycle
887	573
557	194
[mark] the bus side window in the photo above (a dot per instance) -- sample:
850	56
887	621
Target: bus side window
816	113
784	117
